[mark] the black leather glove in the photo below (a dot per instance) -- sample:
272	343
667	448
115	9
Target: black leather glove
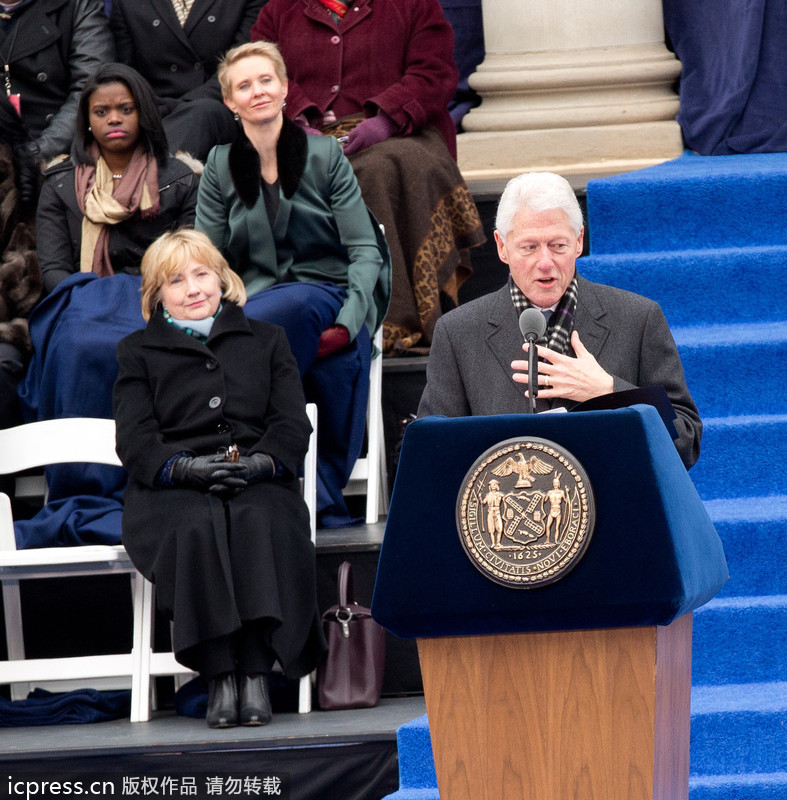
257	467
203	472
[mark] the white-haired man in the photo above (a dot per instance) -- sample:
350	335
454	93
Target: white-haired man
599	339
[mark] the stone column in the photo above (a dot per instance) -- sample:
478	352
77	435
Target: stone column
580	87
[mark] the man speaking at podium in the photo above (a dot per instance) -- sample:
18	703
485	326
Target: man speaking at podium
598	339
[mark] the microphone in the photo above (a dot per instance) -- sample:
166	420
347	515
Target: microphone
533	324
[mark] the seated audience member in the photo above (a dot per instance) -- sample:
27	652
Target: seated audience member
227	543
285	209
98	212
100	209
50	49
20	277
379	75
599	339
176	45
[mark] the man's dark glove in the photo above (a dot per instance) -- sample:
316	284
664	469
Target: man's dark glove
209	473
256	467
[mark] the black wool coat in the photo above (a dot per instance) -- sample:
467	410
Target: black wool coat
52	48
218	561
180	61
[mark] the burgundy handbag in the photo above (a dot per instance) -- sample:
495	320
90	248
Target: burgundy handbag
351	674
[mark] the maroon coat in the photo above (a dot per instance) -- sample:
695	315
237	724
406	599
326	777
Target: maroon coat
396	55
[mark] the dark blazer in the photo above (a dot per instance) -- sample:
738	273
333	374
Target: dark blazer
217	561
322	230
59	222
180	61
54	46
469	370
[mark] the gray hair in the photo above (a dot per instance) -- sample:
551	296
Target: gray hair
538	191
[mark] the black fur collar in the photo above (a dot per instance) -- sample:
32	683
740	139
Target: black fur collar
244	162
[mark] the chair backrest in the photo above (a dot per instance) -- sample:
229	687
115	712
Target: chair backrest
52	441
58	441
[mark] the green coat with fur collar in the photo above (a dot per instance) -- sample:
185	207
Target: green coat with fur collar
322	231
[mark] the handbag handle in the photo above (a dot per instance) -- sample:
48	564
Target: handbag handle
346	592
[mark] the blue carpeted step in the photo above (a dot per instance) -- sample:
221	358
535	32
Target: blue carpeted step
719	363
740	640
694	286
691	202
739	729
416	762
754	533
742	457
749	786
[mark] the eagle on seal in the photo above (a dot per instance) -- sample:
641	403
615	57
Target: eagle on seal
525	469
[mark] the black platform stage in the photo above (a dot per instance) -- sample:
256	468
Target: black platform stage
330	755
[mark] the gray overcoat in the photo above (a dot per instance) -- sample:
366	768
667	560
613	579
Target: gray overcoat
469	371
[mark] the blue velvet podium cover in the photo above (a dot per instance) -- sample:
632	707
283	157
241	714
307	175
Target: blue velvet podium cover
654	554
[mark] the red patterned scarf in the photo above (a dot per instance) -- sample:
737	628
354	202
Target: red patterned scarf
339	7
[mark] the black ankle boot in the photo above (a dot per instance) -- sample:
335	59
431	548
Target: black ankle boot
254	704
223	702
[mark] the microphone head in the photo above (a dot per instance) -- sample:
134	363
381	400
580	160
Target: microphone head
532	324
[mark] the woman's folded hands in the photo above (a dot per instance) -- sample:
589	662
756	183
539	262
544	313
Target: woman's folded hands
214	474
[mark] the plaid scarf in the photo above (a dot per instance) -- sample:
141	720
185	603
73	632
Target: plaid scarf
558	333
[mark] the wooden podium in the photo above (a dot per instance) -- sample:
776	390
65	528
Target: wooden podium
591	715
579	690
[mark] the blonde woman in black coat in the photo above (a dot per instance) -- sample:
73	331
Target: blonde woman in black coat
226	543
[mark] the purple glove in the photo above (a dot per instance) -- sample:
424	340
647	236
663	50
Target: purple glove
371	131
302	122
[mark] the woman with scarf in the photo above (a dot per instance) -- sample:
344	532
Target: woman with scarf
98	212
100	209
226	541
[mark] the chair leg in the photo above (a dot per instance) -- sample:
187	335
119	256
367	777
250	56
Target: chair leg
305	695
143	634
14	633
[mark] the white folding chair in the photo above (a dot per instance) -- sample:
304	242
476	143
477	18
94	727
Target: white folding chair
369	473
57	441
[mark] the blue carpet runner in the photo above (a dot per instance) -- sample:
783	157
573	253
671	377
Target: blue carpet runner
705	238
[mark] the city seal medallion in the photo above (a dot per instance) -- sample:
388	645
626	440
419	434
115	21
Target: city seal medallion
525	512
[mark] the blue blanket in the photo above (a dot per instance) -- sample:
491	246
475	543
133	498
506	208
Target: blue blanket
75	332
83	705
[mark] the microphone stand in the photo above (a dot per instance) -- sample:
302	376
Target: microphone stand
532	371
